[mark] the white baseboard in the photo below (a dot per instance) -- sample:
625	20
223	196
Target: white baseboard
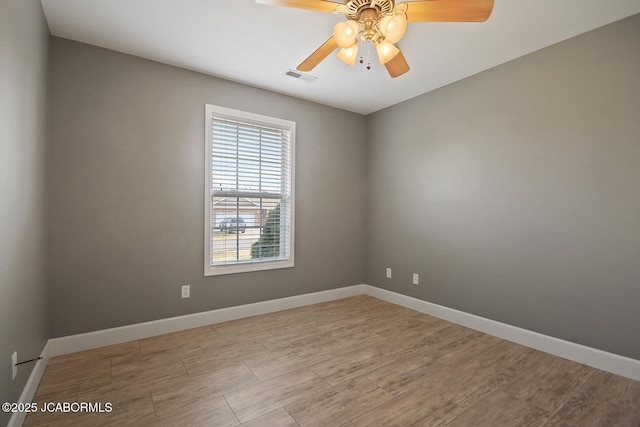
589	356
89	340
599	359
17	418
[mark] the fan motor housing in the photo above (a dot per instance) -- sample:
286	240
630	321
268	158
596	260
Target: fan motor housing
356	7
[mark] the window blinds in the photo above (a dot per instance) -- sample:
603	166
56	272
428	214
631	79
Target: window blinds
250	182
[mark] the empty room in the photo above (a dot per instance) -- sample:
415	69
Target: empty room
320	213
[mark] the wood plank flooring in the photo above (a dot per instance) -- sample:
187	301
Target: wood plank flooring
353	362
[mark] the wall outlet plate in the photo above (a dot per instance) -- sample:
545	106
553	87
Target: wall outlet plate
388	273
186	291
14	365
416	278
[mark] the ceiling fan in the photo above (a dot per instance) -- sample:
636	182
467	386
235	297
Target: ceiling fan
383	24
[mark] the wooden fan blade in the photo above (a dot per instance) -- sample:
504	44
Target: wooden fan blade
317	5
449	10
316	57
397	66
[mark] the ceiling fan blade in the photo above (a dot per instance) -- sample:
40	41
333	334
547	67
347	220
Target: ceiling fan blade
317	5
316	57
448	10
397	66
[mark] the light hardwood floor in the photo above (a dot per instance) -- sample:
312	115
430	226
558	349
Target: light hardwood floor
357	361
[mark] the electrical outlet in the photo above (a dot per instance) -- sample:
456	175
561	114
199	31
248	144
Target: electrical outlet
388	273
14	365
416	278
186	291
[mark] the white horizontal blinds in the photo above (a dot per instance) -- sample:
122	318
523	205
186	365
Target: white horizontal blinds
250	189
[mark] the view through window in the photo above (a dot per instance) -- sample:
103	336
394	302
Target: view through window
249	197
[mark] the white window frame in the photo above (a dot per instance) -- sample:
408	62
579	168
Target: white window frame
211	269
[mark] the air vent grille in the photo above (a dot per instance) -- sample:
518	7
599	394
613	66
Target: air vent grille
301	76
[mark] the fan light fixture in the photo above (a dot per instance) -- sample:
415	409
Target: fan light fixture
348	56
371	21
386	51
346	33
393	26
382	23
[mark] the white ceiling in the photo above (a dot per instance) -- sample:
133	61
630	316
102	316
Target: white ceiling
254	44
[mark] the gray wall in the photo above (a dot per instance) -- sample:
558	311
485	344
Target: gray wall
126	192
24	39
515	194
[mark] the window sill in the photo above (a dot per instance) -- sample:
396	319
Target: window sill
216	270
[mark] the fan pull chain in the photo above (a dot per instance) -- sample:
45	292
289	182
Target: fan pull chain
368	55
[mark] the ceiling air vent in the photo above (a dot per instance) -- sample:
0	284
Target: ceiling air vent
301	76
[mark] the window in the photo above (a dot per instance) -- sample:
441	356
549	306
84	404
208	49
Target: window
249	202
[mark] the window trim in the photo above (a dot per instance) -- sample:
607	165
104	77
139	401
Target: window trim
258	119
